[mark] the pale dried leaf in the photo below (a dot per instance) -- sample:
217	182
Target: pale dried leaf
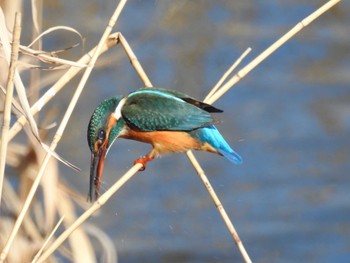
47	240
55	28
109	251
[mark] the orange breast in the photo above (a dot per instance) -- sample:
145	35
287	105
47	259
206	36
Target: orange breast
166	141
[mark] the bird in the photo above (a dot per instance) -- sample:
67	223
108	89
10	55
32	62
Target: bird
171	121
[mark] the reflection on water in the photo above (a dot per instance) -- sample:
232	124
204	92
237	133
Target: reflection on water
289	119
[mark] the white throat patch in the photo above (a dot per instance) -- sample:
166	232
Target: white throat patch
118	110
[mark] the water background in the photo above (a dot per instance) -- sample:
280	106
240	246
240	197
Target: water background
289	119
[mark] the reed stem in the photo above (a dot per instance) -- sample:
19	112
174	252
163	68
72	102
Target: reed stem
8	98
267	52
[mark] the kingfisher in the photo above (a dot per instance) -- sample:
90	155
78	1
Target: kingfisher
171	121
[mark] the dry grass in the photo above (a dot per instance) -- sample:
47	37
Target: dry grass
32	222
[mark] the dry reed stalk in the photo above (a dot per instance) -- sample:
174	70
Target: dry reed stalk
61	129
6	46
219	206
227	73
48	239
297	28
134	61
37	16
8	99
204	178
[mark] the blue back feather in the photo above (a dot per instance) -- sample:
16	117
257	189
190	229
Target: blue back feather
212	136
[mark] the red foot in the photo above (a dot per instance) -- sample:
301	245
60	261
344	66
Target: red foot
143	161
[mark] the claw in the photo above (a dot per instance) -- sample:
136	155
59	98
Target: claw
143	161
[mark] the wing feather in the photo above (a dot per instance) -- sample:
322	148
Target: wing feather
156	110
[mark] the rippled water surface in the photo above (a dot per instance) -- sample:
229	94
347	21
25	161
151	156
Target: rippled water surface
289	119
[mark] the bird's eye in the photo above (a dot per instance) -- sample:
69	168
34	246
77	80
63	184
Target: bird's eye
101	135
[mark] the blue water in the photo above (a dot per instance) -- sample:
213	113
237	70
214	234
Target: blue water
289	119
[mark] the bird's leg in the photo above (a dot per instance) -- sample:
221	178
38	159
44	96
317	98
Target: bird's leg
143	160
148	158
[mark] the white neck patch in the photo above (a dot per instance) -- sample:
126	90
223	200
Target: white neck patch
118	110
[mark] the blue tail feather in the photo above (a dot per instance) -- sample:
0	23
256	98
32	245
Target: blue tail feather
212	136
232	156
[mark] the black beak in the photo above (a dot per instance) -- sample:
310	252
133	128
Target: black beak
96	168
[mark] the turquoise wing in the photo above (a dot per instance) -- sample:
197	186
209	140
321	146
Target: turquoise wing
156	110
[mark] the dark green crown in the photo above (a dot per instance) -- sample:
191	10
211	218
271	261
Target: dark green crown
99	119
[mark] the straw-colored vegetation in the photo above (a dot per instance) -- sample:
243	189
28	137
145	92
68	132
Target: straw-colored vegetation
28	223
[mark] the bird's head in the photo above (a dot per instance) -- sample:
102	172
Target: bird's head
105	126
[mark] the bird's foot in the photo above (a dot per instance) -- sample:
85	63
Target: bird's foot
143	161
